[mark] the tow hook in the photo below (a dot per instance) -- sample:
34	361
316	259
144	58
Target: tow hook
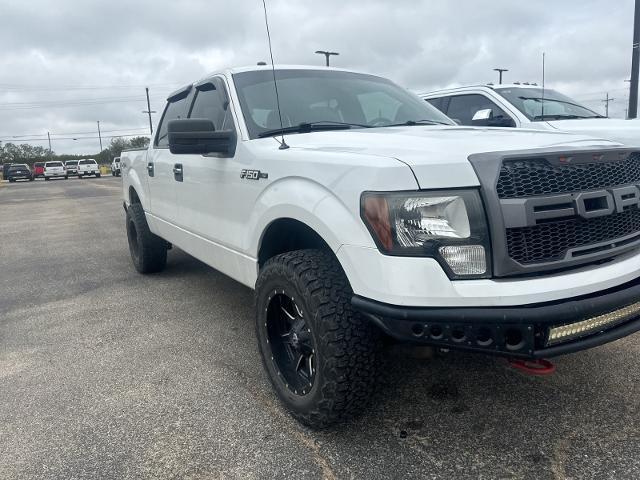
538	366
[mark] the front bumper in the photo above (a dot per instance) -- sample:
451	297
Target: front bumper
519	331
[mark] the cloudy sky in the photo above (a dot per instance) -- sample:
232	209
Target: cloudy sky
65	65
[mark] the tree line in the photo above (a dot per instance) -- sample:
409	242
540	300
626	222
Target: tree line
29	154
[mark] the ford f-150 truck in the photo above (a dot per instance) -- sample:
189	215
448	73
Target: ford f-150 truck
524	105
358	212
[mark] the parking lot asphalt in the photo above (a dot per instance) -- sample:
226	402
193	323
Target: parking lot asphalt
105	373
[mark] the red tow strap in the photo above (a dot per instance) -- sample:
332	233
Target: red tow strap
533	367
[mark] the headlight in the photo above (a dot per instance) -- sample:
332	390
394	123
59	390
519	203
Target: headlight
449	226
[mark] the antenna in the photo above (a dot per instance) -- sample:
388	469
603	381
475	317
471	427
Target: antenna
542	85
283	144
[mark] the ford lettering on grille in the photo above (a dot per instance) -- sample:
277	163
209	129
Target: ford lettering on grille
527	212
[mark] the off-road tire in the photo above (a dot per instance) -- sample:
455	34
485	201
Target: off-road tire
347	344
148	251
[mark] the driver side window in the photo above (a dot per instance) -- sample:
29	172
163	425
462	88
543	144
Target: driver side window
211	104
464	107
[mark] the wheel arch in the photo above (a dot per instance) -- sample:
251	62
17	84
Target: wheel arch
286	234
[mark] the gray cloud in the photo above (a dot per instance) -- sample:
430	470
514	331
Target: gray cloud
50	48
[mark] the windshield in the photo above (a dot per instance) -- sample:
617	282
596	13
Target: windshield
18	167
556	105
315	96
87	162
71	163
53	164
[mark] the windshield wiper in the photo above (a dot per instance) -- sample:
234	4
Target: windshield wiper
557	116
411	123
307	127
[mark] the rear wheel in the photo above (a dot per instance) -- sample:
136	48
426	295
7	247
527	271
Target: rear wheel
80	176
97	175
148	251
46	179
319	353
66	177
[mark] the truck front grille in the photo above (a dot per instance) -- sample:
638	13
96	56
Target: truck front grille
536	176
550	242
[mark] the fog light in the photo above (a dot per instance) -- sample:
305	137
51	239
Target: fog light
573	330
465	259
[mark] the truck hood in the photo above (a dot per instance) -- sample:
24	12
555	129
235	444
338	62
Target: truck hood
623	131
438	155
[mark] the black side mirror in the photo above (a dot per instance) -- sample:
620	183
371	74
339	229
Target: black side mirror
485	118
199	136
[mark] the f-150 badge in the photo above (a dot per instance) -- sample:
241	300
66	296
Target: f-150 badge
253	174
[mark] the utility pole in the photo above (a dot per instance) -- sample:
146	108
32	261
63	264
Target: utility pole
606	102
149	111
326	54
49	138
635	64
99	135
500	71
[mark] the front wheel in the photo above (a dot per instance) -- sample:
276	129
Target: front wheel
319	353
148	251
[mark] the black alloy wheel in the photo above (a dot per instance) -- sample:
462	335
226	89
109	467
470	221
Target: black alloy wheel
292	345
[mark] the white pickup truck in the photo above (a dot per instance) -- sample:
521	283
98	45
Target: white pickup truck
88	166
356	210
115	167
524	105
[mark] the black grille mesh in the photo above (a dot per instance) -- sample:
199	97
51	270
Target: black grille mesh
524	178
550	242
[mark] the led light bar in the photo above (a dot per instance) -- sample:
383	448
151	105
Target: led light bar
565	333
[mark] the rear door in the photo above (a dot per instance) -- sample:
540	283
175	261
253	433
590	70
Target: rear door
161	163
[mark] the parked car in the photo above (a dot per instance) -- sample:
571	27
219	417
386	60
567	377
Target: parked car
115	167
365	212
19	171
54	170
38	170
71	166
88	166
526	106
5	170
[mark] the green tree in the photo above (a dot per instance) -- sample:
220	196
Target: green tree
139	142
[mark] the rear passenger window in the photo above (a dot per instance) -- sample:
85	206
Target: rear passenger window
175	109
436	102
211	104
464	107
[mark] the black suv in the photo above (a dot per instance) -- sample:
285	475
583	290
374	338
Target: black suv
19	171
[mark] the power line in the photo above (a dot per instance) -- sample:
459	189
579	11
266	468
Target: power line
74	133
76	138
15	87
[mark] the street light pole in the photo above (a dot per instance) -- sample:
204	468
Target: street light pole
326	54
99	135
49	138
500	71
